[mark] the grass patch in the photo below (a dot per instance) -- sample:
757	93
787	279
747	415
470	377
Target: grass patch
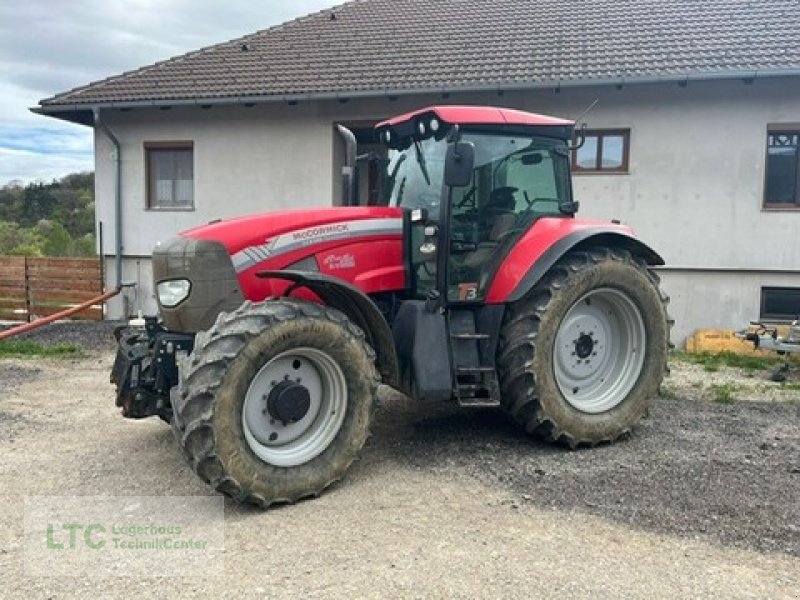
27	348
723	393
792	386
712	362
667	393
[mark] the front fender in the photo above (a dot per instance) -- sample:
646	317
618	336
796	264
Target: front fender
549	240
358	307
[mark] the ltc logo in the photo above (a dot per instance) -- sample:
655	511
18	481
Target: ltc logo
334	263
91	536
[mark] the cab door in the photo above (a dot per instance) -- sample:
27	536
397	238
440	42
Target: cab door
514	180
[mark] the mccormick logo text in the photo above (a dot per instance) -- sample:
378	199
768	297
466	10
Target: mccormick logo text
320	231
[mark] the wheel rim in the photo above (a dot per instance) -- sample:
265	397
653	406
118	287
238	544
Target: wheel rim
276	426
599	350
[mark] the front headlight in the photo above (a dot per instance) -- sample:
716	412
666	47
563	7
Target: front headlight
173	292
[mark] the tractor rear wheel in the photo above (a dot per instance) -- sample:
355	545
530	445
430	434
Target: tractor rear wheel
583	353
276	400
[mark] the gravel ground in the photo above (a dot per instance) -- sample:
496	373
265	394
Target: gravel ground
92	337
702	501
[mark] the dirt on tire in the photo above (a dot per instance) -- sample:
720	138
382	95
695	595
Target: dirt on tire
208	402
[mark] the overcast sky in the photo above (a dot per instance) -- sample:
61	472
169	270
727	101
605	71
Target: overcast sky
50	46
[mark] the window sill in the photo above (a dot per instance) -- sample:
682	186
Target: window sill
168	209
581	173
779	208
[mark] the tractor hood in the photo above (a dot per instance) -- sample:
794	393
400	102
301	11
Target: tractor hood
215	267
308	226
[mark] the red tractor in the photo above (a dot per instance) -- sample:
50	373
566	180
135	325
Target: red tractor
474	283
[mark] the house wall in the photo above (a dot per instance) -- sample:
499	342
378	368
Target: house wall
693	191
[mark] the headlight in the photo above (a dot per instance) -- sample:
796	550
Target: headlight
173	292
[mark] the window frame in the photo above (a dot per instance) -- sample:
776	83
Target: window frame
773	317
166	145
623	169
766	206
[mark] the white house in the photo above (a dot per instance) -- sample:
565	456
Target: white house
694	140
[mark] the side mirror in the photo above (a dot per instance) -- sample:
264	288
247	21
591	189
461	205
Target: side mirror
458	163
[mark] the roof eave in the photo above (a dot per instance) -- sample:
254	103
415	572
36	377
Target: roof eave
75	111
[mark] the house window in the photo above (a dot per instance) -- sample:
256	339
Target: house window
603	151
170	175
780	303
782	188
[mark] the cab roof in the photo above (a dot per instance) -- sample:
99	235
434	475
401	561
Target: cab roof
480	115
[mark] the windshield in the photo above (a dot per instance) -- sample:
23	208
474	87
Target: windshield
414	175
531	174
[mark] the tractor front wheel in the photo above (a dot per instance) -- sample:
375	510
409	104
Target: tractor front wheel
584	352
276	400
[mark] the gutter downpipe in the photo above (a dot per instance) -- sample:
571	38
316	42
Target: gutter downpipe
100	124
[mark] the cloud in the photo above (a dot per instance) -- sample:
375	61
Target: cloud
50	46
27	166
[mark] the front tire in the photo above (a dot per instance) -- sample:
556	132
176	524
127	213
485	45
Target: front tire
276	401
586	349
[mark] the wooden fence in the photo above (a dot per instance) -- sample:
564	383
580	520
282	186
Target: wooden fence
37	287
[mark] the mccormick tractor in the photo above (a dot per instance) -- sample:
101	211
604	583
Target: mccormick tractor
472	283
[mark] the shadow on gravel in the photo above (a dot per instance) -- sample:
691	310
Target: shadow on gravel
729	473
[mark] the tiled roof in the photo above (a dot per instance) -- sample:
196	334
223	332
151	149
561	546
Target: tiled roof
374	47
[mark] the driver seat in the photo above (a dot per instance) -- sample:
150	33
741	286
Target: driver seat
502	226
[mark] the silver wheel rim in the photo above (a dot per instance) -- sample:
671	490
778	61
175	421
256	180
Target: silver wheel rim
295	443
599	350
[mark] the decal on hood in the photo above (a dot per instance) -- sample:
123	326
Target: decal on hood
294	240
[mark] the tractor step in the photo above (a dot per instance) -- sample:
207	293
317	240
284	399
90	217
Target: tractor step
480	394
461	370
475	380
478	403
470	336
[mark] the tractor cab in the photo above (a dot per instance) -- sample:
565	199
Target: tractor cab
474	180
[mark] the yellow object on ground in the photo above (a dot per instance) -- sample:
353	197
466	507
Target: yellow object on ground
716	341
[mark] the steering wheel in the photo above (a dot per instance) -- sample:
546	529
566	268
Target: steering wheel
502	193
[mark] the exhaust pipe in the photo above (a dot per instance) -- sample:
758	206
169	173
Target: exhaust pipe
349	168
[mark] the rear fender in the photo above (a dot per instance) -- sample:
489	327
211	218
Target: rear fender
514	279
358	307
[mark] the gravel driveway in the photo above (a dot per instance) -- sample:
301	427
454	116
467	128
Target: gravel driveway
702	501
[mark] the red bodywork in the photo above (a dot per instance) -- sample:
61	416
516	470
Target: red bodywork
361	245
373	262
533	244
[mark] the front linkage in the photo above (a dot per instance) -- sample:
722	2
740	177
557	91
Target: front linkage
146	368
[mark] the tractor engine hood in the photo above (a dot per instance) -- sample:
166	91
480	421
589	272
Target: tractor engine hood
257	230
212	268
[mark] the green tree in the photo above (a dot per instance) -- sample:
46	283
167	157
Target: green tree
55	218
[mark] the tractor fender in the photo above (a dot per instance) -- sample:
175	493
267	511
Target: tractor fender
511	284
357	306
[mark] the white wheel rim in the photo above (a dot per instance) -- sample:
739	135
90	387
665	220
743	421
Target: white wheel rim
599	350
295	443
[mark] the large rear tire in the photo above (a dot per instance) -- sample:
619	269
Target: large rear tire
276	400
582	354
